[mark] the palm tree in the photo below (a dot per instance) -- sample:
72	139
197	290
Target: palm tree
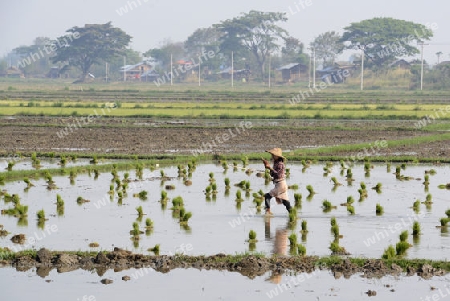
439	55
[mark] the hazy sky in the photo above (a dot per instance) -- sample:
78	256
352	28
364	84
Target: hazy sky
152	21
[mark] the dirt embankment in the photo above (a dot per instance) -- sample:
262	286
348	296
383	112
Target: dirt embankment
249	266
127	137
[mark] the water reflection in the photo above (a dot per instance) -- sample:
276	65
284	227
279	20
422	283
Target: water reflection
279	243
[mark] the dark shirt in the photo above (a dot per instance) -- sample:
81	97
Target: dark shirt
278	171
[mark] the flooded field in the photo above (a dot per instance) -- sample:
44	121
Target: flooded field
219	224
192	284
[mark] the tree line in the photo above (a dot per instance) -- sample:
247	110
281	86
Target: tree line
252	37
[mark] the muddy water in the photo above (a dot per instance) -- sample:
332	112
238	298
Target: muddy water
192	284
219	226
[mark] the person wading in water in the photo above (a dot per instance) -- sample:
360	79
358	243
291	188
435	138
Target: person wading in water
278	174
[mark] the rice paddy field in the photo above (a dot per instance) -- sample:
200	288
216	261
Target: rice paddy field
162	188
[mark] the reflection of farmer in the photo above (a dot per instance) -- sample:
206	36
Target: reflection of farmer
278	173
279	246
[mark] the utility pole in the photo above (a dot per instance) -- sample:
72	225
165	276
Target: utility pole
421	67
362	68
171	70
124	69
199	81
269	68
314	68
232	70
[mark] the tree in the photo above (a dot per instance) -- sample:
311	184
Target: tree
255	32
327	46
203	39
35	58
438	54
89	45
384	40
167	49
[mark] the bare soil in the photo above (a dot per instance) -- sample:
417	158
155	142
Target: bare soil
133	136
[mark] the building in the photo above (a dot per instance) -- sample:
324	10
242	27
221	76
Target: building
337	73
134	72
293	72
401	64
12	72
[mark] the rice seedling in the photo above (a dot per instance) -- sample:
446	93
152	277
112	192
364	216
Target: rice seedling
148	223
388	167
162	174
416	206
214	188
310	190
154	250
293	187
288	172
428	199
350	200
326	205
292	216
444	221
28	182
94	160
140	211
126	177
403	235
367	166
349	174
164	197
301	250
41	215
298	200
304	227
81	200
444	186
235	165
184	217
389	253
377	187
403	166
208	191
335	231
447	212
59	205
336	249
351	210
10	165
335	181
225	166
63	161
426	180
239	196
401	247
293	240
244	161
252	236
94	245
170	187
211	177
397	172
227	183
379	210
416	228
135	232
333	221
141	195
247	186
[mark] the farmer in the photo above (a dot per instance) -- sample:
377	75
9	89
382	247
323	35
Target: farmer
278	173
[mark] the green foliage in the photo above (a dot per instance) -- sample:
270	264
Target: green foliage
385	39
140	211
379	210
333	221
416	228
95	43
293	240
404	235
401	247
148	223
335	230
41	215
389	253
238	35
301	250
